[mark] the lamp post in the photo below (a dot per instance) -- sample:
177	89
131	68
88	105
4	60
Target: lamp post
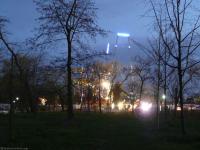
99	92
165	104
14	103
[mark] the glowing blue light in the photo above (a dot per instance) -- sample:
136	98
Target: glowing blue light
108	48
123	34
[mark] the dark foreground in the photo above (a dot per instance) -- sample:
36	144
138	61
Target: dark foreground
90	131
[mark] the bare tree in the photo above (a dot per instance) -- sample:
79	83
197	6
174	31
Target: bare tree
69	21
141	69
10	47
100	70
156	57
180	39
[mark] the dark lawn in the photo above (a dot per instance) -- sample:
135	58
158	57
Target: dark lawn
93	131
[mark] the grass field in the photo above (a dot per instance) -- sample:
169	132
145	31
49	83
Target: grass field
93	131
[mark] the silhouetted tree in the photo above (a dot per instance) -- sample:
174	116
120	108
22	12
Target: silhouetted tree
69	21
181	41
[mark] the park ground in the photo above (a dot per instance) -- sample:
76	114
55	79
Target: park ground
94	131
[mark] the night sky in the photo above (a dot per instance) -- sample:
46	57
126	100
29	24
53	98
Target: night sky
113	15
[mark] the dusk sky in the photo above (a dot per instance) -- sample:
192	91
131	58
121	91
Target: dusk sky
113	15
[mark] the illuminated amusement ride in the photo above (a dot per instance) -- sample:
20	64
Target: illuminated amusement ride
118	37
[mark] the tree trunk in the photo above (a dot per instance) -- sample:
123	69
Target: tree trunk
176	98
81	91
157	99
69	81
165	85
62	102
11	101
141	89
158	91
32	103
181	97
99	93
180	73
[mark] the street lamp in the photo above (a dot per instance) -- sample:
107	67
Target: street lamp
16	99
164	97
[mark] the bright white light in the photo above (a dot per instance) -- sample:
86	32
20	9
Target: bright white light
116	45
164	96
108	48
120	105
112	105
105	84
178	108
129	46
123	34
17	98
145	106
43	101
14	101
